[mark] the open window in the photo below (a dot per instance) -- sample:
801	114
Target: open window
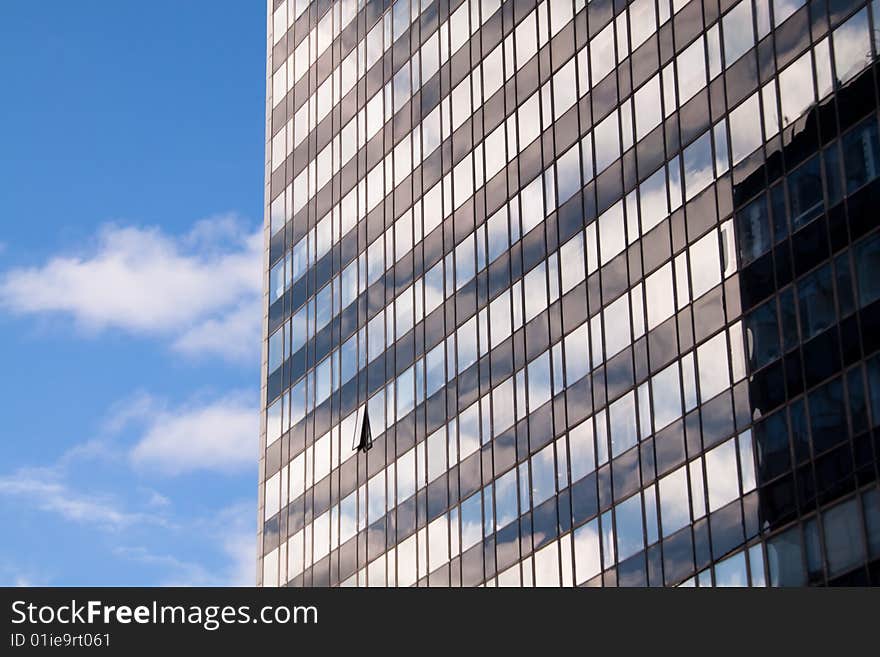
362	438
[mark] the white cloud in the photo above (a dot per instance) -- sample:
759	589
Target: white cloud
38	487
235	335
217	435
231	529
200	289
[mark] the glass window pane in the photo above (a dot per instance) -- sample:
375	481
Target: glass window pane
674	502
698	165
712	360
630	537
543	476
602	54
745	131
539	381
843	537
667	396
816	302
536	291
606	137
852	47
471	521
691	70
587	563
623	424
739	32
506	509
721	475
649	110
568	173
796	89
861	155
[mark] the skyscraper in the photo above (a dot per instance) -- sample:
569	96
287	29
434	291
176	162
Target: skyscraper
569	293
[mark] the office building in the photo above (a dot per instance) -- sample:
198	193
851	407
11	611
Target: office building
563	293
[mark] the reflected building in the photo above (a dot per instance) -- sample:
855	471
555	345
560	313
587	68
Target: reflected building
570	293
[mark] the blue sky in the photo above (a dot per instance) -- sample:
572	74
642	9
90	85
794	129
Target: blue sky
131	161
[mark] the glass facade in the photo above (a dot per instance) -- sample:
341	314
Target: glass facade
600	277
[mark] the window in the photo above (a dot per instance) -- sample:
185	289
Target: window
577	354
602	54
499	319
568	173
698	161
539	381
816	302
674	501
745	131
667	396
713	361
471	521
606	137
564	89
843	537
867	262
805	192
502	407
753	230
536	291
506	509
721	475
762	335
852	47
739	33
705	257
623	424
628	518
691	70
587	563
571	254
648	106
861	155
543	476
659	295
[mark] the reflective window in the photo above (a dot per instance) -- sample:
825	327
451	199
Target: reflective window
623	424
712	360
762	335
852	47
543	476
539	381
698	161
602	54
691	70
659	293
506	509
587	563
674	501
739	31
606	137
568	173
649	110
471	521
535	283
805	193
745	131
843	537
816	302
796	88
667	396
628	518
753	230
722	478
861	155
